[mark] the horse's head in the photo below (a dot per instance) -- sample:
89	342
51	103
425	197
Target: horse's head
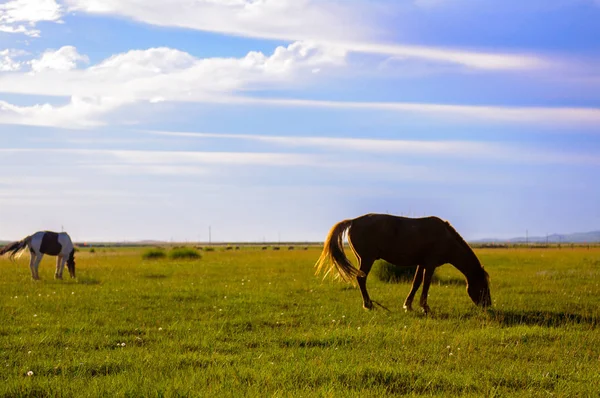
479	290
71	263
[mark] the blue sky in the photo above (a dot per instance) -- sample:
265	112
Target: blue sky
273	119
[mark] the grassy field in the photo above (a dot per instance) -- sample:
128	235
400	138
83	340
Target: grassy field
254	322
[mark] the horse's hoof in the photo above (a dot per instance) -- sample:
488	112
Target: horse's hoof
368	306
407	308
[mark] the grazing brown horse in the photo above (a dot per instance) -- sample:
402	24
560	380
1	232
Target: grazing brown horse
423	242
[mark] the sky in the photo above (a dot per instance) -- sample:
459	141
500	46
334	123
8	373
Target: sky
271	120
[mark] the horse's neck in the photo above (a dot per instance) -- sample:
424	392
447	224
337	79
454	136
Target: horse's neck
463	258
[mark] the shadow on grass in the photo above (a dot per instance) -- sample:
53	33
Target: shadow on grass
541	318
88	281
155	276
508	318
316	343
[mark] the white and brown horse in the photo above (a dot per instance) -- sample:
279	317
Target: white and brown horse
45	242
423	242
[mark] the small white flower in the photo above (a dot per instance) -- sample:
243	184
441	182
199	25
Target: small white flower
122	344
34	315
159	329
30	373
29	352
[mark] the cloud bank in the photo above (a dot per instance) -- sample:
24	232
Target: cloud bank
152	75
354	26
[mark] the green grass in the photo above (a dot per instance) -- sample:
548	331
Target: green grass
259	323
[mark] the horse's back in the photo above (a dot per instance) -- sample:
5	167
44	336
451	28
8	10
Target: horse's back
399	240
399	227
52	243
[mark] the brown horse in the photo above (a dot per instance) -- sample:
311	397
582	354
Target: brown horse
423	242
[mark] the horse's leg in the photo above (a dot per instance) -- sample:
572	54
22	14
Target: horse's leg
413	290
36	265
60	265
32	258
427	274
365	266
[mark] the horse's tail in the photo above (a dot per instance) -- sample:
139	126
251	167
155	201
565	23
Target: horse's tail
333	253
15	247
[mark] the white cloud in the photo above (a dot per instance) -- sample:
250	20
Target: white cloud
7	60
568	116
64	59
164	74
154	75
21	16
450	148
277	19
349	26
470	59
440	149
79	112
171	162
213	158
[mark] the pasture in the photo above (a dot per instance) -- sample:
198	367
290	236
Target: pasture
254	322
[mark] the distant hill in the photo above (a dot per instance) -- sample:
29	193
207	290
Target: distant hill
578	237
